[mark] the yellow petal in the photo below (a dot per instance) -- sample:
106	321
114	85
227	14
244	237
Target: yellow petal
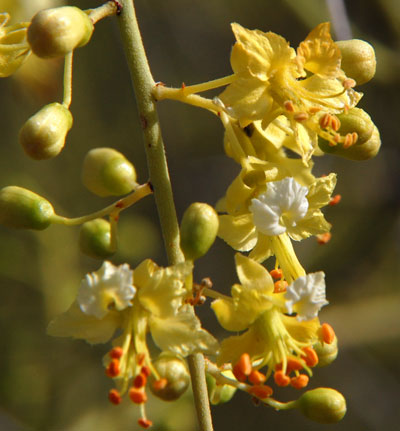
252	275
238	231
313	224
263	250
304	331
228	316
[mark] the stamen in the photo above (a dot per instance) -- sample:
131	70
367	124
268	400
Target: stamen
288	105
349	83
116	353
114	397
244	364
311	357
137	396
328	334
300	381
257	378
140	358
145	423
324	238
260	391
301	116
293	364
335	123
348	140
314	109
280	286
237	372
276	273
281	379
113	369
140	381
145	370
335	200
325	121
160	384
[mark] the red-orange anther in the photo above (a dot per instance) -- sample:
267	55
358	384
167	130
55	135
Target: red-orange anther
238	373
276	273
311	357
325	120
328	334
335	200
335	123
140	381
300	381
145	423
293	364
138	396
116	353
355	137
256	377
288	105
145	370
348	140
140	358
244	364
280	286
160	384
112	369
281	379
114	397
260	391
324	238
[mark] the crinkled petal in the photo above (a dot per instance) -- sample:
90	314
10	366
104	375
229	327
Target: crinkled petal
74	323
238	231
313	224
321	191
182	334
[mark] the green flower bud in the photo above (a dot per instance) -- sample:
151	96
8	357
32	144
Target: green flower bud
107	172
56	32
322	405
199	229
20	208
175	371
95	239
220	394
358	60
43	135
327	353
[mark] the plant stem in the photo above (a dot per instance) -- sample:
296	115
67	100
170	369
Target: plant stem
143	84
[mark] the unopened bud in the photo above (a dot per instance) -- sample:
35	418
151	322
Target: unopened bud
43	135
327	353
220	394
20	208
358	60
95	239
322	405
107	172
176	373
56	32
199	229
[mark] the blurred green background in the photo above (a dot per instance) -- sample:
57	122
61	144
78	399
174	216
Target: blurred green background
57	384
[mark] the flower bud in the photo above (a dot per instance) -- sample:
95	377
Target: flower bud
358	60
220	394
43	135
175	371
327	353
107	172
56	32
322	405
20	208
199	228
95	239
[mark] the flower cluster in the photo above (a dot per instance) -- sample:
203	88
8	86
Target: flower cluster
280	108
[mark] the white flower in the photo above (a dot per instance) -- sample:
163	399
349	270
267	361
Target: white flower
111	287
306	296
280	207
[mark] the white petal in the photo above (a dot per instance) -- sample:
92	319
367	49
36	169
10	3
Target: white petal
306	296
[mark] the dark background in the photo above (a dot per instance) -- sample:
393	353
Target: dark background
57	384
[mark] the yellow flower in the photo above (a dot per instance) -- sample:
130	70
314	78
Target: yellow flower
272	338
14	48
298	92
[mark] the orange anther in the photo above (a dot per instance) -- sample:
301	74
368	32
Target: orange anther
323	238
301	116
145	423
311	357
280	286
288	105
256	377
300	381
183	86
335	123
349	83
348	140
145	370
314	110
138	396
276	273
244	364
116	353
336	137
112	369
140	381
335	200
237	372
140	358
281	379
328	334
160	384
260	391
293	364
114	397
355	137
325	120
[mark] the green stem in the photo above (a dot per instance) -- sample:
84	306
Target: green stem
143	84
